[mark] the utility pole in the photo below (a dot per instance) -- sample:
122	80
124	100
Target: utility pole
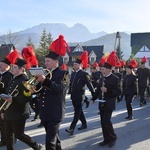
117	46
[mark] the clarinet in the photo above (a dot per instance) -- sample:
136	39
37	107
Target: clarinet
102	84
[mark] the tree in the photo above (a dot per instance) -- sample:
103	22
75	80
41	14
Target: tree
49	38
29	43
43	49
43	41
9	38
132	57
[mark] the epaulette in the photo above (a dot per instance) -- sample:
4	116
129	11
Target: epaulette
27	94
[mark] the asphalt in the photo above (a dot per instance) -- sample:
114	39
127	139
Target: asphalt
131	134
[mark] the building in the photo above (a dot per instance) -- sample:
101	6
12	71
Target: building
95	54
140	44
5	49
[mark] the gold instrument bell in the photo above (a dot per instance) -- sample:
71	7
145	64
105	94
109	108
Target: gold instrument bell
31	83
6	104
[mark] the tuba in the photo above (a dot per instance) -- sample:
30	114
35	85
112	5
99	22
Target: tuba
31	83
6	104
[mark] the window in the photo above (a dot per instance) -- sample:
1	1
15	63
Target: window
66	60
92	60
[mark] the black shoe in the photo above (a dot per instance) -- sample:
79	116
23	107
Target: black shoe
144	102
70	131
33	119
103	143
39	147
82	127
40	125
111	144
129	117
2	143
141	104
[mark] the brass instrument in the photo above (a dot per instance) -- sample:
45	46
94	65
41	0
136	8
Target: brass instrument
31	83
6	104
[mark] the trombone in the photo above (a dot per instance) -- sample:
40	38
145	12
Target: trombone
31	83
6	104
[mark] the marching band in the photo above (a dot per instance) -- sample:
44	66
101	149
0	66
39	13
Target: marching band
108	81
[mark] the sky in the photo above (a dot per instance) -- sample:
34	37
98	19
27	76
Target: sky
97	15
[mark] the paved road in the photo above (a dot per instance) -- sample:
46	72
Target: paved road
132	135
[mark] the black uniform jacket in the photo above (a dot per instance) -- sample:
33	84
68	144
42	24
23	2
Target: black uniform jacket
130	85
94	77
143	76
5	79
52	96
113	90
19	108
77	85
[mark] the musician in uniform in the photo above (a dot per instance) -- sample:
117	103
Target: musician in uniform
79	79
5	77
95	75
118	74
143	74
108	91
130	87
52	96
29	55
16	114
123	73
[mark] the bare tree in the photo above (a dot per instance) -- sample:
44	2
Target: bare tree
9	38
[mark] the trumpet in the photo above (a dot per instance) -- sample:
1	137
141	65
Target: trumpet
6	104
31	83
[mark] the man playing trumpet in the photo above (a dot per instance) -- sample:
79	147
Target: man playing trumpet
52	95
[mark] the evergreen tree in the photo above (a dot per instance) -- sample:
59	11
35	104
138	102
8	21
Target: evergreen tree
49	38
43	49
43	41
29	43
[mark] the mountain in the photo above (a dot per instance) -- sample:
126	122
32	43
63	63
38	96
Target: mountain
109	43
77	33
74	35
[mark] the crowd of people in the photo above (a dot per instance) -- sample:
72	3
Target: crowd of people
110	80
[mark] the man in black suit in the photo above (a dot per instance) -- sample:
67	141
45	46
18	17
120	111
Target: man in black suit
143	74
79	79
52	96
16	114
5	77
95	74
108	91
